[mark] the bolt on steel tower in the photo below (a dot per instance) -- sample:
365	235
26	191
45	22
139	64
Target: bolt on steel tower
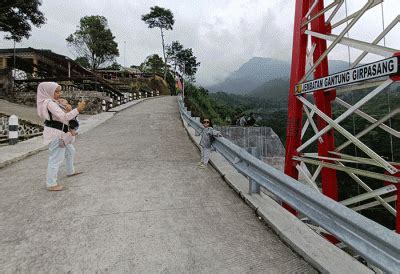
311	151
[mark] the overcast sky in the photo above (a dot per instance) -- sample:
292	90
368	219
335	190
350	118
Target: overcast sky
223	34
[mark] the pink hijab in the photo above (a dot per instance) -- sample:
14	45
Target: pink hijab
45	93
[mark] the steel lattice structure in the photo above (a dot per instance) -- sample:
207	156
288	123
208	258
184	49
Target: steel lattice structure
314	27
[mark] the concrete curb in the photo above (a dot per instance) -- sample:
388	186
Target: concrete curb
320	253
15	153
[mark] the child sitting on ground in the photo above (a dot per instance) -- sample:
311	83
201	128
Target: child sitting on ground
207	135
69	137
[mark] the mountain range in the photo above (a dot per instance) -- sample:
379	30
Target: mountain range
263	74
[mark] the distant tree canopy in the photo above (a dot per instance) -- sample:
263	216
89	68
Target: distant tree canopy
164	20
16	17
201	105
94	41
153	63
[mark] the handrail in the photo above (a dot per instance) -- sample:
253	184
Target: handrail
374	242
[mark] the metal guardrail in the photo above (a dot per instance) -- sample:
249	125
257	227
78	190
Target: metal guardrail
377	244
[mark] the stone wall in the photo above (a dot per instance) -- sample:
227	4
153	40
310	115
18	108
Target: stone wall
25	128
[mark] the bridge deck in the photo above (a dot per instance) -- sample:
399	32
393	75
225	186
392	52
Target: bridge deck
141	206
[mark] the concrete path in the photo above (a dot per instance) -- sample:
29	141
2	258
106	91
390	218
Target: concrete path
142	206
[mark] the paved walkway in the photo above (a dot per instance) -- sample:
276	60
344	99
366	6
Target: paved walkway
141	206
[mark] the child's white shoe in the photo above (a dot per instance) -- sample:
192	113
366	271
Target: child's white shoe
202	166
199	163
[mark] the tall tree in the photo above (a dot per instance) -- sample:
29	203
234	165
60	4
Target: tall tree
187	63
94	40
16	17
172	53
164	20
153	63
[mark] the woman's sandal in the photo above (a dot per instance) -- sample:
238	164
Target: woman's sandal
76	173
56	188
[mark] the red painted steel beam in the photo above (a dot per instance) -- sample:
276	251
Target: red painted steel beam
398	209
397	223
323	102
294	122
397	76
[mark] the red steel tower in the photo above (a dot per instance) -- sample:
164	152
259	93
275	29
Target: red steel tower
314	92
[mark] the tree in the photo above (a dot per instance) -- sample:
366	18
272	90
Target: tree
172	53
183	59
83	61
16	17
187	63
153	63
164	20
94	40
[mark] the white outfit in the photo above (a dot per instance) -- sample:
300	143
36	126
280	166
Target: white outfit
45	104
205	143
56	158
205	155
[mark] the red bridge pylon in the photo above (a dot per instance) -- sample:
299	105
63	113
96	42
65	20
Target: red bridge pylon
311	153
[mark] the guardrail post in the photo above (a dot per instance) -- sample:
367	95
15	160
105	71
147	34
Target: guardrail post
254	188
125	98
103	105
151	93
13	130
118	100
157	92
145	94
134	96
130	97
140	95
111	103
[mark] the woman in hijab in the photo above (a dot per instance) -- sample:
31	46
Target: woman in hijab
55	126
